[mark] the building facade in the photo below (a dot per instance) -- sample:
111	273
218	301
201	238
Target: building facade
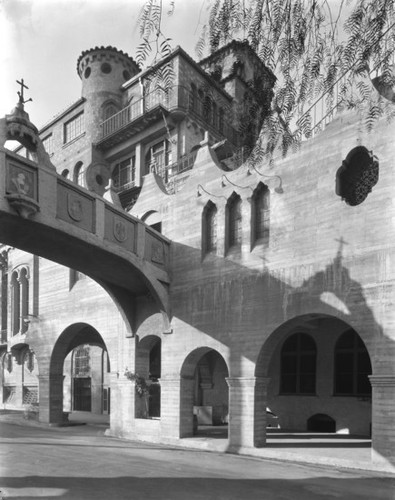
281	277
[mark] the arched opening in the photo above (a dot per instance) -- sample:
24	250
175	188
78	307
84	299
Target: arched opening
79	174
318	368
321	422
79	380
153	219
149	367
205	399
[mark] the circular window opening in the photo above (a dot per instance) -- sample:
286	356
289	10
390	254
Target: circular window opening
106	68
87	72
99	180
126	75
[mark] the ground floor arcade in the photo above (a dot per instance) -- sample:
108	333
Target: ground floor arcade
313	376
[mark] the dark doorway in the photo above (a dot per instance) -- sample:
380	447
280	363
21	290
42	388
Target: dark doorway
106	399
82	394
321	423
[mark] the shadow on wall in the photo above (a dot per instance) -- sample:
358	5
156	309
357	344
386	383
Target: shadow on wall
250	312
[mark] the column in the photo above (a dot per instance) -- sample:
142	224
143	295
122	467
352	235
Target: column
122	405
51	398
247	411
139	166
383	419
176	407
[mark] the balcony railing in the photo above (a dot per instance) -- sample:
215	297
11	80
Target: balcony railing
176	98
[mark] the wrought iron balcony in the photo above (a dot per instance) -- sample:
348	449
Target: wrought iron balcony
152	107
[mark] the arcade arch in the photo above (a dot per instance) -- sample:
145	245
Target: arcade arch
207	394
71	373
313	365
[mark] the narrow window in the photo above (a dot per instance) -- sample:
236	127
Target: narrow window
24	297
209	229
352	366
260	216
234	222
15	303
78	174
298	365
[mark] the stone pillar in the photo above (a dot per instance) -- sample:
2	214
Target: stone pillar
176	407
51	398
383	420
122	405
139	165
247	412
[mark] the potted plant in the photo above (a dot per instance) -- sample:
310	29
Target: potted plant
141	388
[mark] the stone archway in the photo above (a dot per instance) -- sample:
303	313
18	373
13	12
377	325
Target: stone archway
204	390
329	367
51	379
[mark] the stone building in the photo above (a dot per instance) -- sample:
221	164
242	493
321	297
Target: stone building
281	283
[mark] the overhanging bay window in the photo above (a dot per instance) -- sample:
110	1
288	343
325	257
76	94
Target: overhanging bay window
124	174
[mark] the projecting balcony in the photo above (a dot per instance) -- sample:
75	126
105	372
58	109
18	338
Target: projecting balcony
158	104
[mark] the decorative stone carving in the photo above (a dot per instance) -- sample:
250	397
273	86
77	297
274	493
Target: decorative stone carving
357	176
120	231
74	207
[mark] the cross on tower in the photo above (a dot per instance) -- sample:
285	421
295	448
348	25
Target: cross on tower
20	94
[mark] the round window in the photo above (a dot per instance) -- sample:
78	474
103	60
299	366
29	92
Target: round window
106	68
99	180
87	72
126	75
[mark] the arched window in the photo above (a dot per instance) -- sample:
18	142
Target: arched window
24	298
352	366
260	216
298	365
233	212
209	228
109	109
155	368
78	174
65	173
15	303
19	300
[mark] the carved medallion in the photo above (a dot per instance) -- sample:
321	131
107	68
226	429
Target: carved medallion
74	207
157	252
119	228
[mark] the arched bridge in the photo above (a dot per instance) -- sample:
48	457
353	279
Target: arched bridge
43	213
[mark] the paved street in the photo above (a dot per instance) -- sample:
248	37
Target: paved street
81	463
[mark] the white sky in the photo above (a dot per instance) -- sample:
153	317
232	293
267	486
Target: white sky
41	40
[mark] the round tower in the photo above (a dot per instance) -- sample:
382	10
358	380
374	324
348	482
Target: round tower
103	70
